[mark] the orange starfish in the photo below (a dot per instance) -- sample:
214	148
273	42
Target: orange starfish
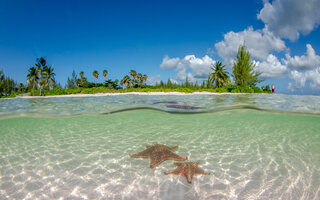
158	153
188	169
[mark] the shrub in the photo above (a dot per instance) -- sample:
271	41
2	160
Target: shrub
256	89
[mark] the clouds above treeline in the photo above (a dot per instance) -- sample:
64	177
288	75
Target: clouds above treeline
258	42
191	66
283	19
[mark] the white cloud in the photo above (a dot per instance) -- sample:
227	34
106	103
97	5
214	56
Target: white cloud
258	42
173	81
300	78
152	80
289	18
271	67
169	63
308	61
199	67
305	68
182	75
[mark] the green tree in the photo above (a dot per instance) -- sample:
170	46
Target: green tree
95	74
169	84
105	74
48	77
162	84
126	81
72	82
7	85
1	83
197	84
21	88
33	77
144	78
116	82
219	76
209	83
243	69
133	73
187	82
41	66
81	80
140	79
81	74
203	84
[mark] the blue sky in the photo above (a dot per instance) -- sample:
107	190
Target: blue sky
163	39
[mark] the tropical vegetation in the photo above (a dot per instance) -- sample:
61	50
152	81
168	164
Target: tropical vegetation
219	77
243	69
8	86
41	81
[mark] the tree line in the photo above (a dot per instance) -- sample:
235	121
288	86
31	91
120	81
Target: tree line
41	77
136	80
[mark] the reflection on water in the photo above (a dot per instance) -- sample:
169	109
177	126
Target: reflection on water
245	98
200	102
184	107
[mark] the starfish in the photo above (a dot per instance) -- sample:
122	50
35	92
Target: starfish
187	169
158	153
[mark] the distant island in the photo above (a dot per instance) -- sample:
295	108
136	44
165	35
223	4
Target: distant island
41	81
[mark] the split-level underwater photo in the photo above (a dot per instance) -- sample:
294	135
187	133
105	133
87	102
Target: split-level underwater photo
124	147
159	100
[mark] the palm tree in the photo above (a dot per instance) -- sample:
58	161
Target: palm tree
219	76
144	77
95	75
78	82
105	74
126	81
81	74
48	77
81	80
139	77
133	73
41	65
33	77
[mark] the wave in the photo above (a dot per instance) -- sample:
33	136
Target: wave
175	104
215	110
227	109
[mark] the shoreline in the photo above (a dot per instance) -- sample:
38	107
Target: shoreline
127	93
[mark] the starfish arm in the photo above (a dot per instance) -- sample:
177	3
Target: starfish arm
189	177
143	154
199	171
173	156
172	172
174	148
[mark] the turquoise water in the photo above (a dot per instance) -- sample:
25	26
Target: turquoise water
78	148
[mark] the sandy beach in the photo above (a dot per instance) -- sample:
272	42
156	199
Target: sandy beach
127	93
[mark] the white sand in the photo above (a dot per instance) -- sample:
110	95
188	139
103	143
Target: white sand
127	93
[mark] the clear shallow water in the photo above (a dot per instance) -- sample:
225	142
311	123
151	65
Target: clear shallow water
250	154
202	103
